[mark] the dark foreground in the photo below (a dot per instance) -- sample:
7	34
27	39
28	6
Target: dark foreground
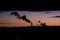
31	29
32	33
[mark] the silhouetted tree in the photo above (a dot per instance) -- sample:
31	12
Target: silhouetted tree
39	21
43	24
23	17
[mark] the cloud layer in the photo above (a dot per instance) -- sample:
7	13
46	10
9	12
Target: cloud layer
55	17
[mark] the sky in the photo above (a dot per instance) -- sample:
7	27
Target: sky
51	18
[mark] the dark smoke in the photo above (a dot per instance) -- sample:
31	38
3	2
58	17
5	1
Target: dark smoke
54	17
19	17
24	18
16	14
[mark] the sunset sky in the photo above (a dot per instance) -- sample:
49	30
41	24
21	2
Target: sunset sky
52	18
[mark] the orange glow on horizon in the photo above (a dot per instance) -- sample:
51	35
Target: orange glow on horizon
34	17
28	24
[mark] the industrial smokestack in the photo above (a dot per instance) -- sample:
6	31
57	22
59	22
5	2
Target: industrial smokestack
23	17
27	20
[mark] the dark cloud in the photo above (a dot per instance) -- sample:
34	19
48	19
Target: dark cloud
48	12
55	17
